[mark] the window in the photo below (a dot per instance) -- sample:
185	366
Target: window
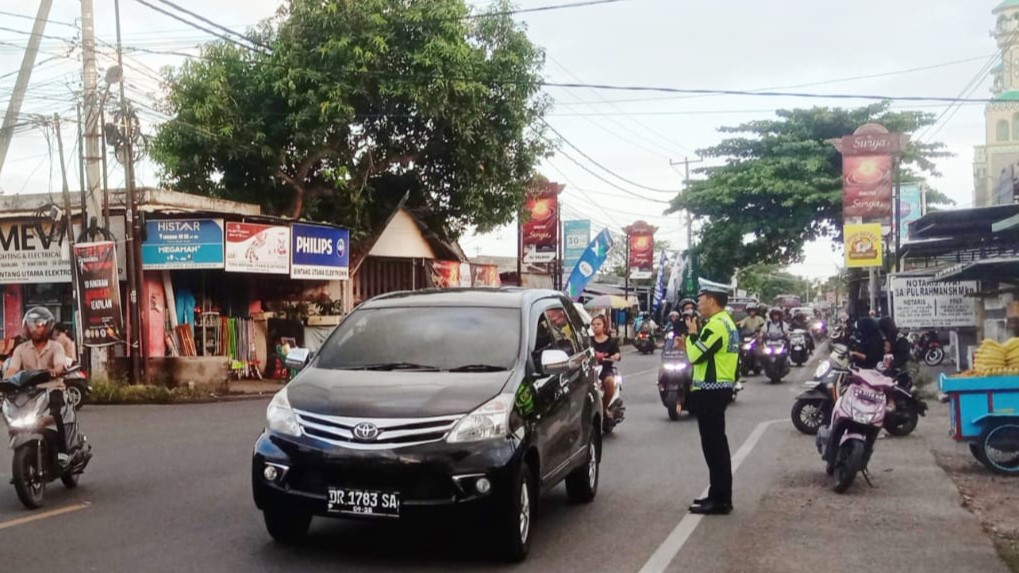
563	331
1002	131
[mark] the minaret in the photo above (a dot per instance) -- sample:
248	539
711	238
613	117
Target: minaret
997	159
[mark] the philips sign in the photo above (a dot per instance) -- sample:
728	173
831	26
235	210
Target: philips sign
320	253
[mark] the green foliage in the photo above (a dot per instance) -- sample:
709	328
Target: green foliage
781	184
358	103
769	281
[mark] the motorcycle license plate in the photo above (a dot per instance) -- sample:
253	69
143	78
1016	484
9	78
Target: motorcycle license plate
363	502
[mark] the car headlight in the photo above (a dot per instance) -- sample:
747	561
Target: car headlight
279	417
488	422
675	366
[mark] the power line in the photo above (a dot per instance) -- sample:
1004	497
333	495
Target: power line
541	9
58	23
602	167
215	25
24	33
606	181
198	26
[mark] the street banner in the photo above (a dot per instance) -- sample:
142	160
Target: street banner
540	231
172	244
675	278
98	289
863	245
867	186
455	274
593	258
576	236
919	303
910	207
659	295
256	248
320	253
641	237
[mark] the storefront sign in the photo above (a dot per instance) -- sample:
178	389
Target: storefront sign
99	293
30	257
320	253
919	303
255	248
183	244
541	229
863	245
641	237
874	143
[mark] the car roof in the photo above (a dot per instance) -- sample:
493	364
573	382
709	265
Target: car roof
503	297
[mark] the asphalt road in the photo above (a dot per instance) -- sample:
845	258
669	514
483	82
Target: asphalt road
169	490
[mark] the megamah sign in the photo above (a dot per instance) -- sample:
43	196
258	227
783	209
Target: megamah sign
183	244
917	302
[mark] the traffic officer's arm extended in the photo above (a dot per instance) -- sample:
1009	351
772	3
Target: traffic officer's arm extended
705	343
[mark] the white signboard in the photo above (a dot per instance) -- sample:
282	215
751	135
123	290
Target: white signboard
255	248
28	257
919	303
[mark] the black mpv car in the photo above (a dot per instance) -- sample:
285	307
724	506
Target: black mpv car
472	398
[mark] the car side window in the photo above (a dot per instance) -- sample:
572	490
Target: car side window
564	333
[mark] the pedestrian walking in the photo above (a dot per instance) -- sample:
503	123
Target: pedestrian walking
714	352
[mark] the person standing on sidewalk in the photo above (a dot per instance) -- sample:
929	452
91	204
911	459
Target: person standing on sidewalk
714	352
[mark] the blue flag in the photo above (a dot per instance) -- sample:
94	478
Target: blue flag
660	285
592	259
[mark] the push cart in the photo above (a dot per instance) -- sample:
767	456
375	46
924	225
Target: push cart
985	414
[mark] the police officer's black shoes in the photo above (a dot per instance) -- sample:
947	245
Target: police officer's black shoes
711	508
701	500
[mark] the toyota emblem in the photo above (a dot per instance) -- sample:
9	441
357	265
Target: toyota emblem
366	432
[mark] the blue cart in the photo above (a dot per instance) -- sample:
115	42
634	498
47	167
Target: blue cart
985	414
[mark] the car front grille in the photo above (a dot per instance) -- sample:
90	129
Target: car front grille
389	432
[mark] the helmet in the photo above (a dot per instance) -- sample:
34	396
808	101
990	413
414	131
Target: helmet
686	301
729	309
674	314
775	310
37	316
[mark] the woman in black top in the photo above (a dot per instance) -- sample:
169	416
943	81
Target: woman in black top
870	350
606	352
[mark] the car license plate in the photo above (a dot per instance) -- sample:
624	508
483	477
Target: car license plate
363	502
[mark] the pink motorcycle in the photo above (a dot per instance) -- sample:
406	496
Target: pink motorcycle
859	413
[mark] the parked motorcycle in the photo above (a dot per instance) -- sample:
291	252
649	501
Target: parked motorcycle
644	342
616	410
675	376
776	359
927	347
847	444
748	360
799	352
33	435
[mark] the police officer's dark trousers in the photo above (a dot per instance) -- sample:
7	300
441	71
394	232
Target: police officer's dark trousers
709	407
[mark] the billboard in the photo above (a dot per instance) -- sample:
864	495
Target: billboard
31	254
183	244
867	186
919	303
320	253
99	293
576	236
540	231
257	248
641	241
864	246
910	207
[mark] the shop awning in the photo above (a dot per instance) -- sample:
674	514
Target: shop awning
960	222
992	269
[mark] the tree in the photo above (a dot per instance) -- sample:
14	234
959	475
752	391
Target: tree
781	184
356	103
769	281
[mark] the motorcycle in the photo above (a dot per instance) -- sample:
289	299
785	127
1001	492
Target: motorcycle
813	407
927	347
33	435
616	410
675	376
77	386
748	361
776	359
799	352
644	342
847	444
819	330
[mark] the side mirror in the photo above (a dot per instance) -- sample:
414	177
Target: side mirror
298	358
554	362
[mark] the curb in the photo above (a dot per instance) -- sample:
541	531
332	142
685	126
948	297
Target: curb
210	400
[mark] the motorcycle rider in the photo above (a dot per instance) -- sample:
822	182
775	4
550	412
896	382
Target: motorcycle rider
606	352
799	322
40	352
775	327
751	323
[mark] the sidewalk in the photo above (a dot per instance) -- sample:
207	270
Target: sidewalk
255	387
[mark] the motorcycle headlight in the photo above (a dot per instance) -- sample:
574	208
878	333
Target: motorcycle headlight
769	350
822	369
488	422
748	346
25	422
279	417
675	366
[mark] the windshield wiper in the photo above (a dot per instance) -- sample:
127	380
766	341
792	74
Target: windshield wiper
478	368
396	366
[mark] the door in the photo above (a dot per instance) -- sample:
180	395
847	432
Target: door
582	376
552	398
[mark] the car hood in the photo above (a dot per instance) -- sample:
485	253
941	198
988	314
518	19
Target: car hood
398	394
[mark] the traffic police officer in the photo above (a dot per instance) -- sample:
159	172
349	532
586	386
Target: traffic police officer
714	352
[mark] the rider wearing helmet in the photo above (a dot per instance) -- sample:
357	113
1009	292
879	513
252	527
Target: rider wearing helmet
40	352
752	322
775	326
687	308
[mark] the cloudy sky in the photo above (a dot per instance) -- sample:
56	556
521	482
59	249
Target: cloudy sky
901	48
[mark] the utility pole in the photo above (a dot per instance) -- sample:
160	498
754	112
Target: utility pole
135	277
686	184
21	84
68	221
92	206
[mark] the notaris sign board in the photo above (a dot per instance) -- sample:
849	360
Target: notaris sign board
917	302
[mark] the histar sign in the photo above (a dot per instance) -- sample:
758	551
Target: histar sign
320	253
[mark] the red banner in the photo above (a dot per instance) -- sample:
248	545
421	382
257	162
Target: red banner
98	293
454	274
541	229
641	237
867	186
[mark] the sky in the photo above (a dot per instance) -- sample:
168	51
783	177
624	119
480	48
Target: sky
824	47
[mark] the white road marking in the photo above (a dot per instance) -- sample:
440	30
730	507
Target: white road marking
43	515
641	373
672	545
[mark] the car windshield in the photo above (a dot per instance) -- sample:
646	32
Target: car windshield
466	339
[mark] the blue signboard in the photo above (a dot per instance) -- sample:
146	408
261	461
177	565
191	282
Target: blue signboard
320	253
183	244
576	235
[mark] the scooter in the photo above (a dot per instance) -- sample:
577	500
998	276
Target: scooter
675	376
748	361
799	352
616	410
847	444
33	435
776	359
644	342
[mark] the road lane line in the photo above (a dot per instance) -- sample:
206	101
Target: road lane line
672	545
43	515
641	373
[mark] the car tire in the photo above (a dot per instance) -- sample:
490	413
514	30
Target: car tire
582	483
516	519
286	527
